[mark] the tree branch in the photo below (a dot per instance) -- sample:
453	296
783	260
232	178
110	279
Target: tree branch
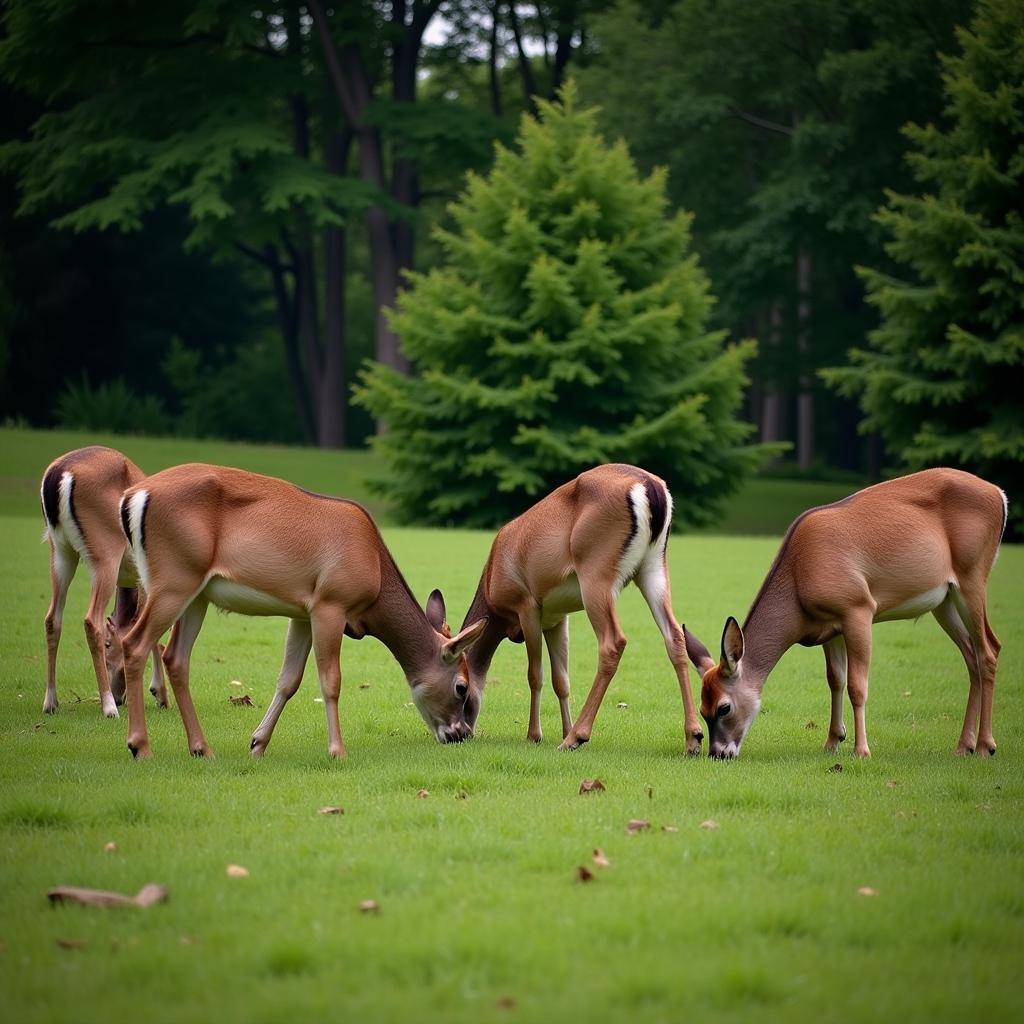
763	123
346	95
269	261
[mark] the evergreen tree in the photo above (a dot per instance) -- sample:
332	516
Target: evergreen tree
566	327
944	375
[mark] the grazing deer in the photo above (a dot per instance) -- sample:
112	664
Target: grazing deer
576	549
256	545
921	543
80	493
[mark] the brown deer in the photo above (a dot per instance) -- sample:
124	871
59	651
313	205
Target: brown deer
256	545
576	549
80	494
921	543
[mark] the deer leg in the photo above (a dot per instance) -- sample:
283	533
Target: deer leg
328	627
949	619
857	636
157	686
177	658
529	621
835	672
104	581
157	616
969	598
557	640
600	606
653	582
296	652
63	563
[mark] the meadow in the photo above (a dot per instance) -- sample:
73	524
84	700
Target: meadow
481	914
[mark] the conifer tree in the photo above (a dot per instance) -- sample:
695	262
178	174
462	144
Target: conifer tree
943	379
566	326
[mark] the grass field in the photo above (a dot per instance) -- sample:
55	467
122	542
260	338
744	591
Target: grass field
481	917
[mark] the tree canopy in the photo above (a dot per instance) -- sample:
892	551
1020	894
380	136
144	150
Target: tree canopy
944	374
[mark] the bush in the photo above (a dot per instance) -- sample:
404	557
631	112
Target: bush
111	407
566	326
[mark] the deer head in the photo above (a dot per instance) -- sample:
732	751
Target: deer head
728	702
442	691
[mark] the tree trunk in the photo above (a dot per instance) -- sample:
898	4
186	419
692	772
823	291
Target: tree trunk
805	394
492	60
773	403
333	386
525	67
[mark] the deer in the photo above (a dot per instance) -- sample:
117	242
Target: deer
575	550
897	550
257	545
80	494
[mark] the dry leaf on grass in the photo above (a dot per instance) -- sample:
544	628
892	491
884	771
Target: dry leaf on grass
836	768
811	725
709	823
650	792
635	825
245	701
110	847
187	940
866	890
236	871
591	786
600	859
369	906
422	794
461	795
235	682
906	693
622	705
506	1003
891	784
72	943
147	896
331	810
669	828
364	686
584	874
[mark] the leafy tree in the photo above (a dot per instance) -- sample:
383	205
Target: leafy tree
567	327
780	125
944	375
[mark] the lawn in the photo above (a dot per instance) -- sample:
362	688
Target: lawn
481	916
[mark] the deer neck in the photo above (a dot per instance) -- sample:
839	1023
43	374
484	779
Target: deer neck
480	654
399	623
774	624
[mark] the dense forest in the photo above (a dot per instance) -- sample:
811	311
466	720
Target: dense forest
209	209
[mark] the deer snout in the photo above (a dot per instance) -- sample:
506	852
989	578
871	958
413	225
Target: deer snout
454	733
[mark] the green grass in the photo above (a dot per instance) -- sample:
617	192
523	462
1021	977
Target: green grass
478	898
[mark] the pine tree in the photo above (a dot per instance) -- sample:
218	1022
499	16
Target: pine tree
943	379
565	327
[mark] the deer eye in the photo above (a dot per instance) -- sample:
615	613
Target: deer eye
461	690
723	709
106	644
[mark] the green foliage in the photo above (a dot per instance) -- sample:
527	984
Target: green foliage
110	406
943	377
567	327
779	123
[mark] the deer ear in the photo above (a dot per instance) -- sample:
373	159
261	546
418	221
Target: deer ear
435	610
732	646
453	649
697	653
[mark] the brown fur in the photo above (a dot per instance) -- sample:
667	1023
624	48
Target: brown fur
320	561
862	560
577	534
100	475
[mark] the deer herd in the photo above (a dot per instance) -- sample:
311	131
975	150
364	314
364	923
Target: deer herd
167	546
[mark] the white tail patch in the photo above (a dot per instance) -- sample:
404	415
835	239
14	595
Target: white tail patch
636	549
136	511
66	524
